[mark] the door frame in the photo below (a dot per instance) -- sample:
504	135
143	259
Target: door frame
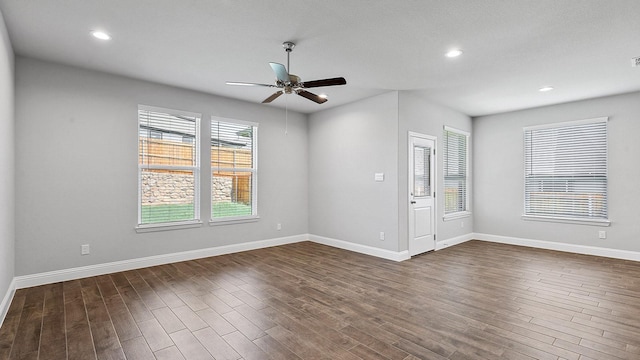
411	134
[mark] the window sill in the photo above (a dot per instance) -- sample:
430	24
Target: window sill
457	215
592	222
231	221
168	226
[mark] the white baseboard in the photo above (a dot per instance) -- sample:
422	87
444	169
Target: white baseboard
363	249
50	277
25	281
6	301
550	245
442	244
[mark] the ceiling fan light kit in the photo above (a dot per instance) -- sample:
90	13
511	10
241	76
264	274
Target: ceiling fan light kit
287	83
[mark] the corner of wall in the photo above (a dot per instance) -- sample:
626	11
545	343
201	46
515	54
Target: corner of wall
6	301
7	166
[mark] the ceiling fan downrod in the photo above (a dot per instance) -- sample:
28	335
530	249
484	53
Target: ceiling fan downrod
288	47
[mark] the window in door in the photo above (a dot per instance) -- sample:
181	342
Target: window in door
421	168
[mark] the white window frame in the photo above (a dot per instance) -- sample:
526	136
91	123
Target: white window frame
561	219
254	175
195	222
467	211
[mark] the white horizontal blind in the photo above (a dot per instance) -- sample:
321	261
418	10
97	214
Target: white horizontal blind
168	165
455	170
233	169
566	170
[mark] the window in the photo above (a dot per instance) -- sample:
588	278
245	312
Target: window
168	166
233	169
421	171
566	171
456	169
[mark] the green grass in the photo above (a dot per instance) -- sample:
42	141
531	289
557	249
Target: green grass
166	213
224	209
169	213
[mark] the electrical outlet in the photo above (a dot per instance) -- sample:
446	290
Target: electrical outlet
602	234
84	249
461	224
279	226
381	235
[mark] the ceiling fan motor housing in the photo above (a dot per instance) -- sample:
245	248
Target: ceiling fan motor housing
288	46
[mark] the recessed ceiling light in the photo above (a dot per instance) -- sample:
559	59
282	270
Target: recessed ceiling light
101	35
454	53
545	88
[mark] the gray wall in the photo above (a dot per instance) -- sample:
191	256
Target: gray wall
7	168
422	116
347	146
76	169
498	173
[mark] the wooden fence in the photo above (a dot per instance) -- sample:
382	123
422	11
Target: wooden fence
164	152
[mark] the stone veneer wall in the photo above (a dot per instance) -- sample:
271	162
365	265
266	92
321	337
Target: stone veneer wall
221	188
167	188
170	188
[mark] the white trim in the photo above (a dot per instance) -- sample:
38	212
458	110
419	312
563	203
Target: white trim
6	301
236	121
25	281
362	249
233	220
567	123
443	244
168	111
550	245
593	222
165	167
143	228
462	132
456	215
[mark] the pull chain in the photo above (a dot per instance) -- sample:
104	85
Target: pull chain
286	114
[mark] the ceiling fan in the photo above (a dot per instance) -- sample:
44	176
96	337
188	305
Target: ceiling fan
287	83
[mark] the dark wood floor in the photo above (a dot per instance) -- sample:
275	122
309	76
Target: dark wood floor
476	300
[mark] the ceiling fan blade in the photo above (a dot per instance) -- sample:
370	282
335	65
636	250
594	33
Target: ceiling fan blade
311	96
272	97
324	82
281	72
248	84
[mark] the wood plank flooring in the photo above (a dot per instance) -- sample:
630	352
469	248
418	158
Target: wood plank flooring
476	300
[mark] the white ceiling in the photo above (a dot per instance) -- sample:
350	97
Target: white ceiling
511	48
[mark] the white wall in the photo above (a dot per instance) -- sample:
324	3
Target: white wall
7	167
498	173
423	116
76	169
347	146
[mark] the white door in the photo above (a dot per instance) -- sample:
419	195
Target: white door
421	193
